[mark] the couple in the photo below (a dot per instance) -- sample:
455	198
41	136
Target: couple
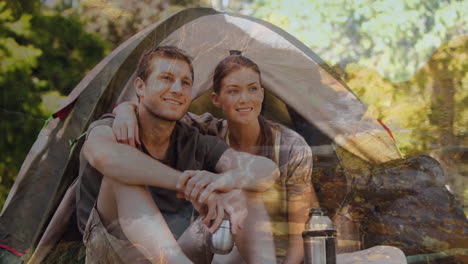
128	198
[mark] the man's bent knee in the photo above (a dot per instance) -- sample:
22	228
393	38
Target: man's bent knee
106	206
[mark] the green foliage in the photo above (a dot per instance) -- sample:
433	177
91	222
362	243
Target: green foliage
118	20
68	51
395	37
20	7
407	107
39	53
17	63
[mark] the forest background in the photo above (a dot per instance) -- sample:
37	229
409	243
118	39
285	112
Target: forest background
406	59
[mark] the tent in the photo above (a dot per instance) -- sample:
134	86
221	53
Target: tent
302	93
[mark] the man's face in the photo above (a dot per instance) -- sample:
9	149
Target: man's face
167	92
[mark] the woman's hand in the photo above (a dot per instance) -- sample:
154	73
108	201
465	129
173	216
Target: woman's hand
125	125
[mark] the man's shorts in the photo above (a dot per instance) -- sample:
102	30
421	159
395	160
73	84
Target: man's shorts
105	246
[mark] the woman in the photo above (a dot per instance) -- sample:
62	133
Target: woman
239	94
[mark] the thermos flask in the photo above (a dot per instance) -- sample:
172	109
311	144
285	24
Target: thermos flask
221	241
319	239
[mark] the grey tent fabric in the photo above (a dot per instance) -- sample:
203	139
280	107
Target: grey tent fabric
297	81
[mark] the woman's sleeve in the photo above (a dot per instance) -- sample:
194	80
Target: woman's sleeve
299	169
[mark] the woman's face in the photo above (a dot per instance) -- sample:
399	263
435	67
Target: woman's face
240	97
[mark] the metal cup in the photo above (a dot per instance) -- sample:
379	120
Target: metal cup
221	241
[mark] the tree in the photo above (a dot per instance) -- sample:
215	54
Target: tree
42	54
118	20
394	37
18	61
448	71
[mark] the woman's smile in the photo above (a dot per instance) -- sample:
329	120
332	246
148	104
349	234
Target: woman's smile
245	109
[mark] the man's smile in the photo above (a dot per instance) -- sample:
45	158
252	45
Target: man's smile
172	101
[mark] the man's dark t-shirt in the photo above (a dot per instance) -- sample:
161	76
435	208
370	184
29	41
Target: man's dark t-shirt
188	150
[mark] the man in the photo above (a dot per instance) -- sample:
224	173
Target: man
120	212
